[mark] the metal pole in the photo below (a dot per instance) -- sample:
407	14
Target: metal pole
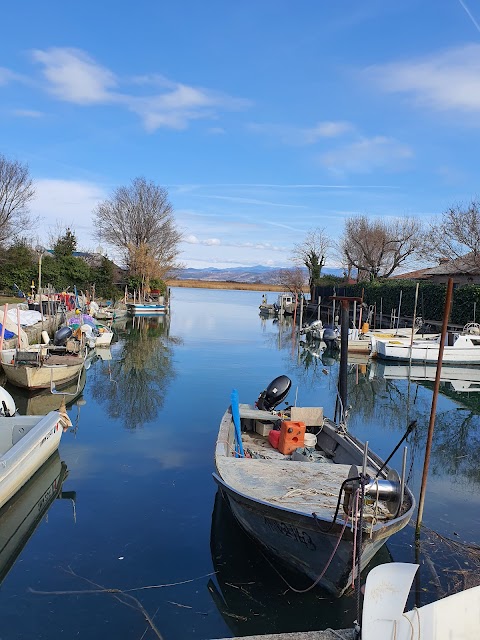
344	355
431	425
40	285
399	308
301	315
319	307
381	314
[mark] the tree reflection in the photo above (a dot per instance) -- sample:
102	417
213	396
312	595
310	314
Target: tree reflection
133	385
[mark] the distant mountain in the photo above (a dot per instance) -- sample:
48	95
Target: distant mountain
257	273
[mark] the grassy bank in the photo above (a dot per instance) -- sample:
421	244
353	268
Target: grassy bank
206	284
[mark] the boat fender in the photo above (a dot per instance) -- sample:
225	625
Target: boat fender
45	337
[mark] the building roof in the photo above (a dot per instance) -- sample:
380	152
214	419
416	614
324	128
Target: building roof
464	265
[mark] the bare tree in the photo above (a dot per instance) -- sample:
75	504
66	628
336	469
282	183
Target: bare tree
16	191
312	253
455	234
138	221
377	247
292	280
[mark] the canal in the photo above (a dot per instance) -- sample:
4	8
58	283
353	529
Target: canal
138	529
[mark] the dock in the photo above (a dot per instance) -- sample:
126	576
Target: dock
328	634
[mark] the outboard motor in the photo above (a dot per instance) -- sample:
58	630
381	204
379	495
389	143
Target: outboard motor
276	391
61	336
330	337
7	404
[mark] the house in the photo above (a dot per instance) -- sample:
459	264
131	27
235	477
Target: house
463	270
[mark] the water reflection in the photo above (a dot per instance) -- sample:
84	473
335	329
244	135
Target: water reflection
133	385
21	515
252	597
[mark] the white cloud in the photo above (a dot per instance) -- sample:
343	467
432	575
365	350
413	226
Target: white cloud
445	81
27	113
253	201
73	76
367	155
292	135
209	242
68	201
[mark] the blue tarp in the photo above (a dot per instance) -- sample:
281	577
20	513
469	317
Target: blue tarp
8	334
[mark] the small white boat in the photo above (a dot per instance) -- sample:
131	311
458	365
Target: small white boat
285	304
455	617
26	442
146	308
460	347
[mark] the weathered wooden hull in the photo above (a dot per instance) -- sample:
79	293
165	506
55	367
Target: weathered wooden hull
31	377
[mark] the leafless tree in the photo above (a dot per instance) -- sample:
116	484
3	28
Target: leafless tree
377	247
16	191
292	280
312	253
138	221
455	234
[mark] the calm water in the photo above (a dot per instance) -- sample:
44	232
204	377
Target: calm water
139	460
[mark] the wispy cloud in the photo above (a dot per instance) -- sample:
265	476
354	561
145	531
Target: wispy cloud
253	201
444	81
189	188
27	113
291	135
469	14
73	76
367	155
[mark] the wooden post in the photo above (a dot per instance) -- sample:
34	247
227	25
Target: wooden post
301	315
431	425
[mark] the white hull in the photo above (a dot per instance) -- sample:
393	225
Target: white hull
465	350
26	442
147	309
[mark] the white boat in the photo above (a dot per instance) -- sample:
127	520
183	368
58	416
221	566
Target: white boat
460	347
146	308
26	442
289	504
456	617
285	304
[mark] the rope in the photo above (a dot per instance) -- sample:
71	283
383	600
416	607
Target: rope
317	580
363	481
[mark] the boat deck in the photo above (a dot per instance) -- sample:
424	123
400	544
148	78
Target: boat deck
302	486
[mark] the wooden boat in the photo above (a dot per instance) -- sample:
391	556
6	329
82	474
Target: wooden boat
455	617
460	347
291	506
22	514
26	442
40	369
285	304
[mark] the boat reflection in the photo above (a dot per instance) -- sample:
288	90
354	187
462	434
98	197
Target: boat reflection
252	597
40	403
457	378
21	515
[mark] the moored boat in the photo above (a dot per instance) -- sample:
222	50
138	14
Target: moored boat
290	504
26	442
460	347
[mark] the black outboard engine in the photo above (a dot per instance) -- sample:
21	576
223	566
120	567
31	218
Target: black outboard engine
330	337
276	391
61	336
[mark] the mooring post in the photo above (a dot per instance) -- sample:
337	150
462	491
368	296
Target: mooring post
431	425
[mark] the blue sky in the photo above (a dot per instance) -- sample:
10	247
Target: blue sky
263	119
